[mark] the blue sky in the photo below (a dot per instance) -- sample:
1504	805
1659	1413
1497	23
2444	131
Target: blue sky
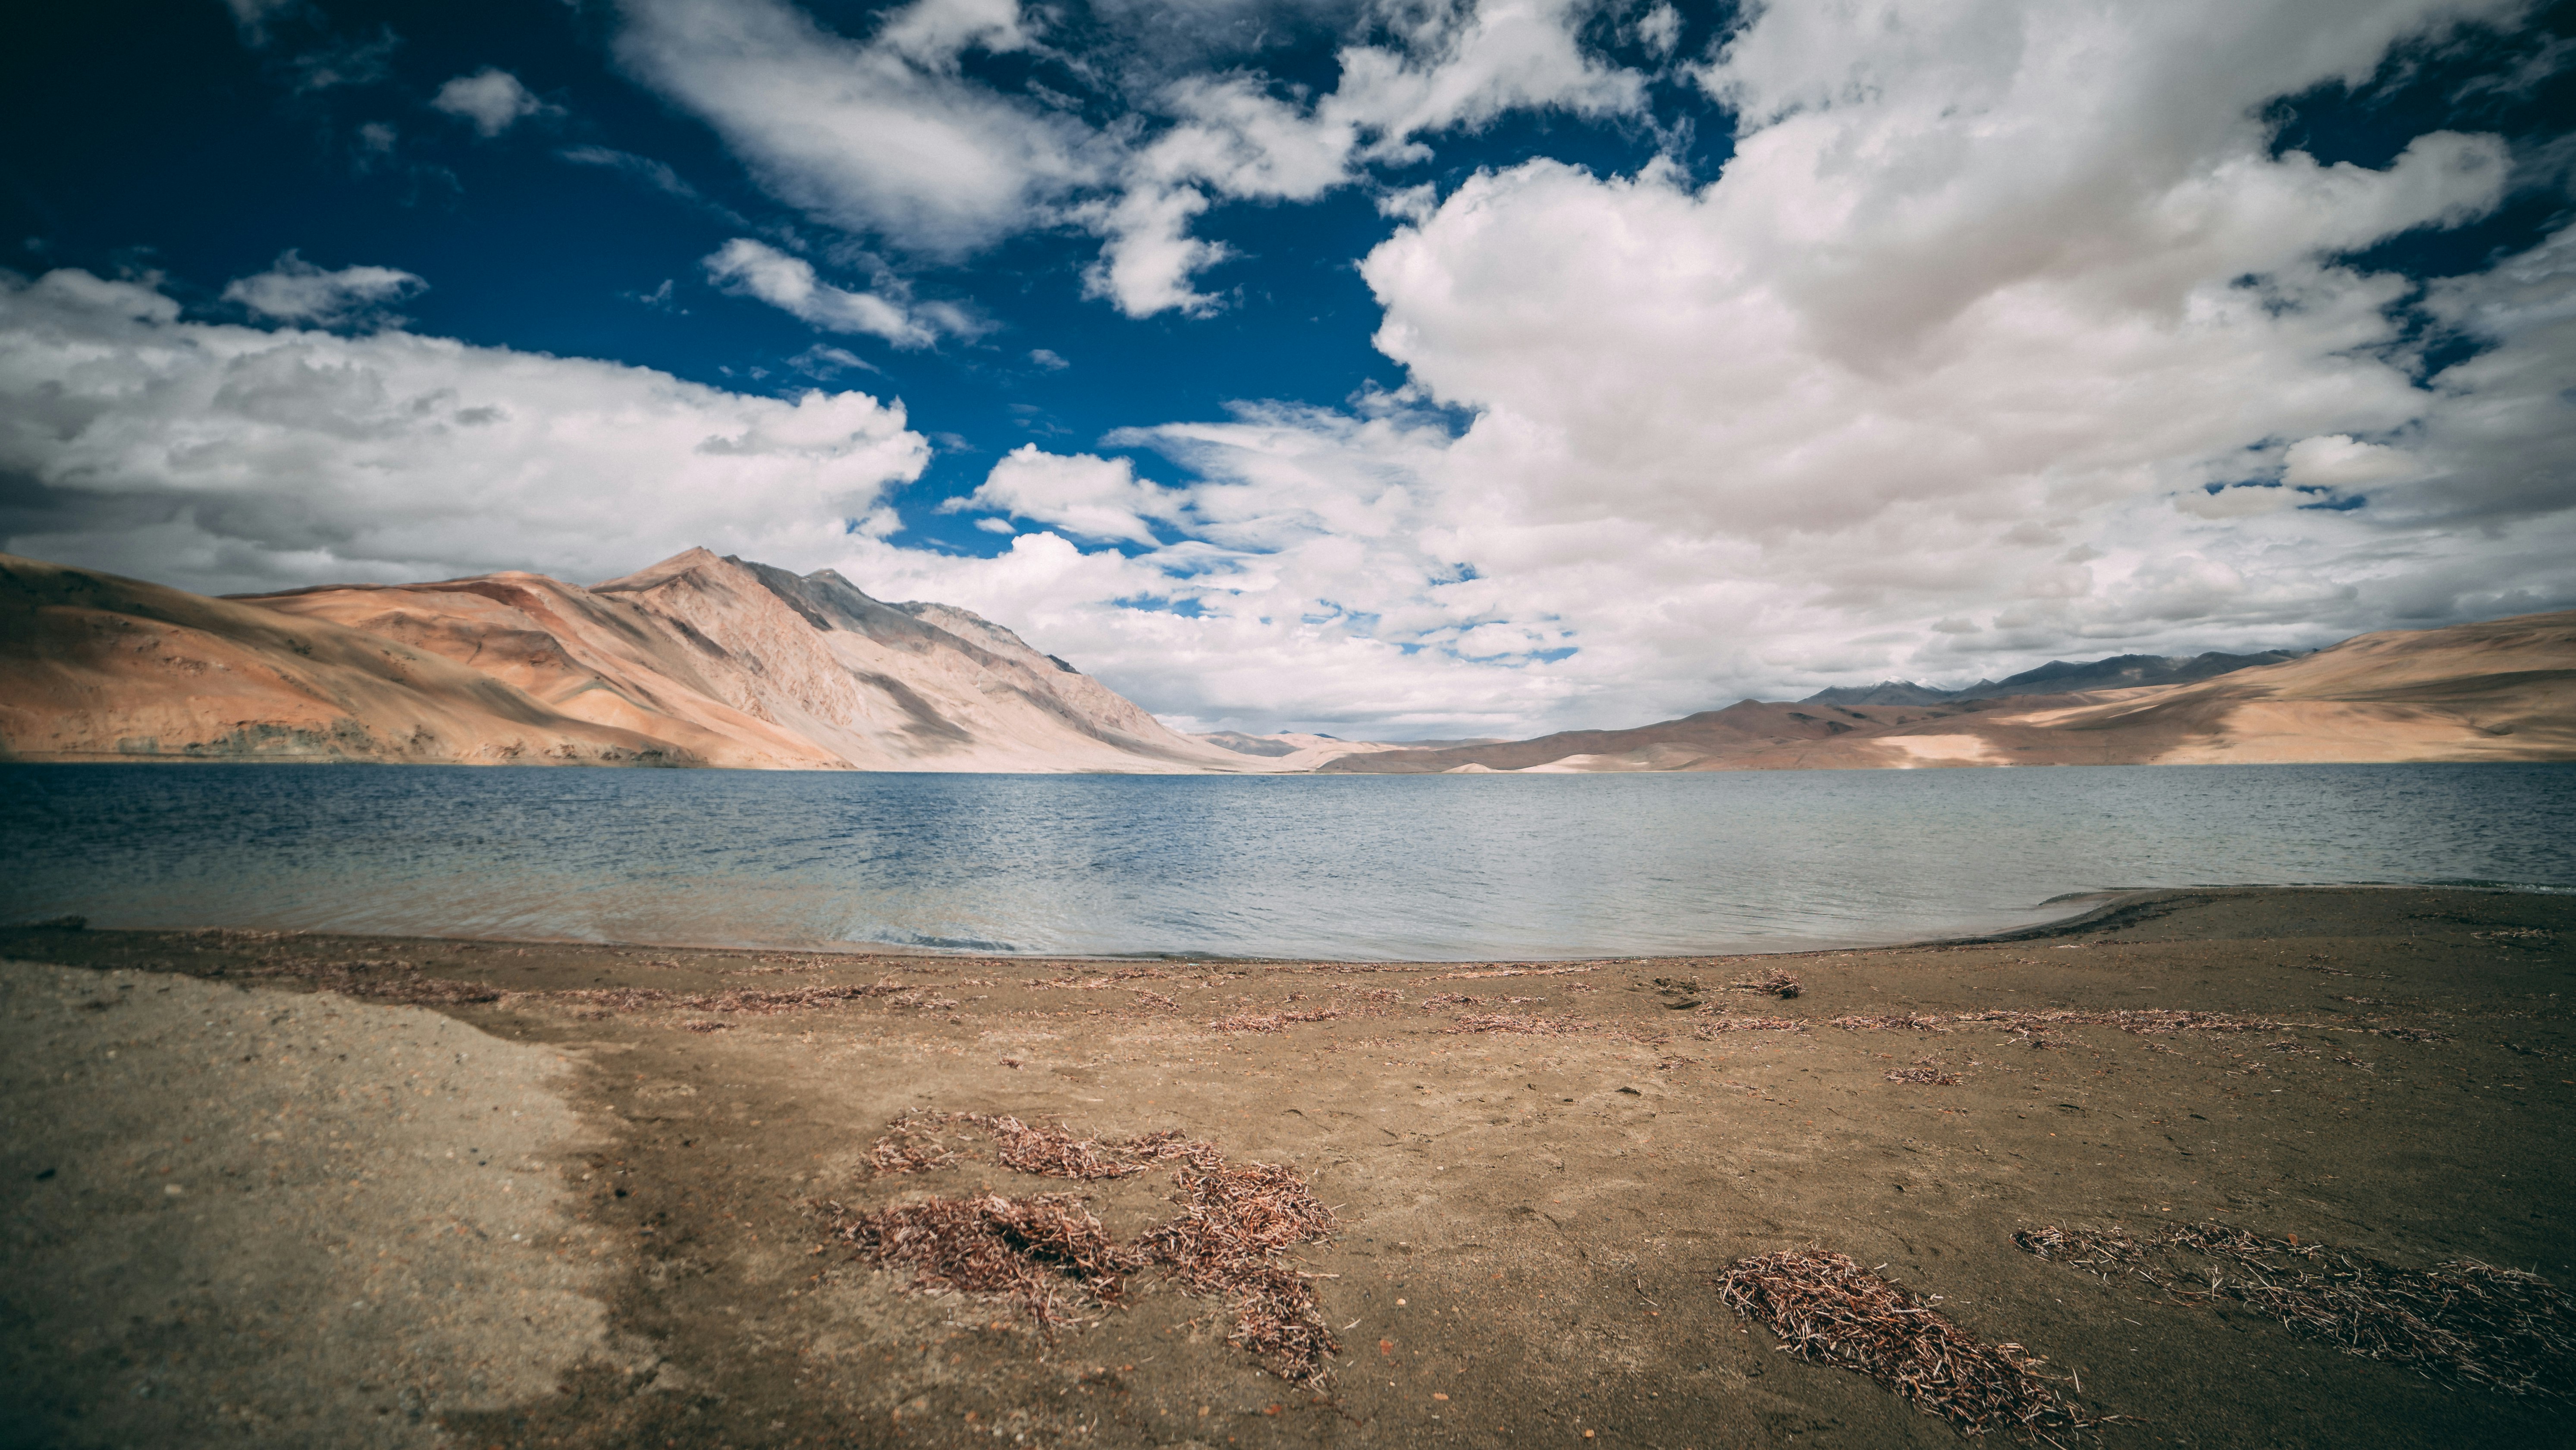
1391	369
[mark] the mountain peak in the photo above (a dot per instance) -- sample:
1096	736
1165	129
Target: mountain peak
697	556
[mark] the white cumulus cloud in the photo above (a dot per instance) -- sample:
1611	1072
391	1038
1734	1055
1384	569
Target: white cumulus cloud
1086	495
228	457
883	137
747	268
492	99
295	290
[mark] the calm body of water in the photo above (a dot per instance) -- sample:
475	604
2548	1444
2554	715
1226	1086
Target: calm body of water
1456	867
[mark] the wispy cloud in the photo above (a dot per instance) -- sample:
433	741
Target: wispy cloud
492	100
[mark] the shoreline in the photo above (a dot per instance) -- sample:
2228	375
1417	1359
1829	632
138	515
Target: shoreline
1537	1168
2104	906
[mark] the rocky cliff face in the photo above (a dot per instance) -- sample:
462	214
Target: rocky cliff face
696	660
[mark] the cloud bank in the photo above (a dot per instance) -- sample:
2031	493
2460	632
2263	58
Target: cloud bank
228	457
2006	330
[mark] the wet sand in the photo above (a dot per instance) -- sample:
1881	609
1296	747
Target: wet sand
1529	1221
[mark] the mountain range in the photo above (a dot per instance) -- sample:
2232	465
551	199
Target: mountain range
2501	690
2119	672
698	660
703	660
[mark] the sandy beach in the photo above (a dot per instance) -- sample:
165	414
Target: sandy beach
232	1216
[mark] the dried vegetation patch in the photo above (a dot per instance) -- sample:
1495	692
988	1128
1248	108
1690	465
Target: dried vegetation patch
1234	1223
2460	1321
2143	1021
747	1001
1272	1021
1028	1252
1829	1310
1727	1022
1549	1027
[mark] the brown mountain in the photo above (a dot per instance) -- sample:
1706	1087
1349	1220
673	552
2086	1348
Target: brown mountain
2502	690
698	660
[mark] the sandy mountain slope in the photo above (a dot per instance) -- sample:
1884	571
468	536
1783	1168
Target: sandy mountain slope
2502	690
95	667
755	666
698	660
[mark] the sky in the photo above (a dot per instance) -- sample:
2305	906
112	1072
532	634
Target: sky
1388	368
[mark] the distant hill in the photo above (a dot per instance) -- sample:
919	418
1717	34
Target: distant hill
1271	746
698	660
2502	690
1893	692
2119	672
1297	751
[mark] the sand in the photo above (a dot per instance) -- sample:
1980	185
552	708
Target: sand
242	1217
1530	1222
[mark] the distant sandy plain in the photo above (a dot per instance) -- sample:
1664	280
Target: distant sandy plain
708	661
282	1190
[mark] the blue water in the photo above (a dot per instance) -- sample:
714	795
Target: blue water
1439	867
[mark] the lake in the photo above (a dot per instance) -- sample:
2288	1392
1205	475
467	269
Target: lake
1350	867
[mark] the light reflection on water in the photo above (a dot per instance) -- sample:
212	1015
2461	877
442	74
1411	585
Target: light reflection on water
1435	867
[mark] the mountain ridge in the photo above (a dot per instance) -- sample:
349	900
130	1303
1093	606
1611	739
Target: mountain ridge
2496	690
699	659
2116	672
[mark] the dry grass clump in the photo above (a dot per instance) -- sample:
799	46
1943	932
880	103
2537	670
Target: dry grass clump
2462	1321
1773	983
1272	1021
2135	1020
1829	1310
749	1001
1723	1022
1891	1022
1235	1221
1022	1251
1100	983
913	1144
1530	1026
1551	1027
1515	972
1927	1076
